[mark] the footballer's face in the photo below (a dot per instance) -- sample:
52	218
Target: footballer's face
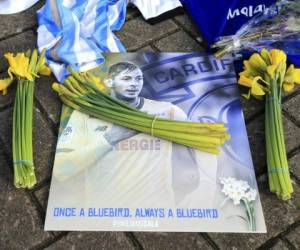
128	84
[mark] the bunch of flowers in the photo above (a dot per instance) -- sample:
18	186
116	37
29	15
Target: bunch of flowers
24	68
85	93
239	191
265	75
278	24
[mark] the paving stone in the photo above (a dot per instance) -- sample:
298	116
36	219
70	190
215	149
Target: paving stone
44	142
294	238
256	137
92	240
294	164
18	43
16	23
172	241
136	33
20	226
185	21
278	215
292	107
146	49
42	196
178	42
48	98
251	107
19	222
280	245
291	134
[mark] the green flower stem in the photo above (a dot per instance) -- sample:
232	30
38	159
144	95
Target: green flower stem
146	127
279	178
81	93
281	145
24	172
250	215
22	135
147	121
284	160
275	169
148	124
96	103
273	180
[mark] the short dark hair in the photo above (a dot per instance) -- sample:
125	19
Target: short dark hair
119	67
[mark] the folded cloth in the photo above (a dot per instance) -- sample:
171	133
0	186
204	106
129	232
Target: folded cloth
156	10
76	32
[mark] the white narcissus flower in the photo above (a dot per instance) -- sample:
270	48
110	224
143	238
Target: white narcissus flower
237	190
244	185
251	195
228	180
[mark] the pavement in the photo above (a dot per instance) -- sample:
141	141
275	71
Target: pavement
22	212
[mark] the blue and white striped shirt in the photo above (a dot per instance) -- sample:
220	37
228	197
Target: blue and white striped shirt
76	32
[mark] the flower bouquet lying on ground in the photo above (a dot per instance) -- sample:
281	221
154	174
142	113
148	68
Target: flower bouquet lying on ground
278	26
24	68
85	93
265	75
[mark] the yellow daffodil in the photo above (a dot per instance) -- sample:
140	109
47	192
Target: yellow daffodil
18	65
277	56
278	62
43	69
21	66
292	76
249	70
4	84
256	88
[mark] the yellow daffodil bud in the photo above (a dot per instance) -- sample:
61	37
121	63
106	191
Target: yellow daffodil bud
288	86
56	88
45	70
257	62
96	80
33	61
4	84
292	76
278	63
277	56
265	56
41	66
250	70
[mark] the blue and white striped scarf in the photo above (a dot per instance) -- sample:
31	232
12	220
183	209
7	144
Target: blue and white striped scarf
76	32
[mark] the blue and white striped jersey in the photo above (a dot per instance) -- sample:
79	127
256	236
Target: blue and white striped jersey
76	32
